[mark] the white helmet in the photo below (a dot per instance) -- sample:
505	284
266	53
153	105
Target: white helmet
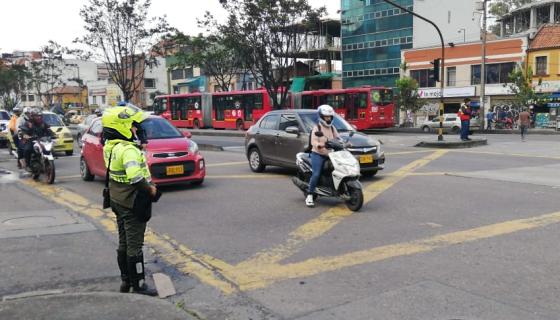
325	111
26	113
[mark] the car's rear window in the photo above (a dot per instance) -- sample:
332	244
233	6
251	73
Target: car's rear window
4	115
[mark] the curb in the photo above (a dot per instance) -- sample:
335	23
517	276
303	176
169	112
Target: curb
452	144
219	133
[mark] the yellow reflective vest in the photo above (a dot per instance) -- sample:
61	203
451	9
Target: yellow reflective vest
128	163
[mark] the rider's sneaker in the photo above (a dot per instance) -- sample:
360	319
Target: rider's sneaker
309	201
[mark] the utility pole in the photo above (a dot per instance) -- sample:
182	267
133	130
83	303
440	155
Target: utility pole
442	68
482	113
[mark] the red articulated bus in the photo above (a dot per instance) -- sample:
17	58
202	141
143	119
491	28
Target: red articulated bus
365	107
219	110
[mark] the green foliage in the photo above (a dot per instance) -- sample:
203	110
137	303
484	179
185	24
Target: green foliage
123	35
12	83
520	83
263	33
216	55
45	74
407	97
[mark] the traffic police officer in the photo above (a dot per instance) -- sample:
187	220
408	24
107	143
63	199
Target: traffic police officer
129	184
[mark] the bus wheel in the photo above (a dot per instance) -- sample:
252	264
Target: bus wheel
196	125
239	124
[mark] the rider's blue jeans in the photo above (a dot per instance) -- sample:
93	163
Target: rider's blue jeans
317	161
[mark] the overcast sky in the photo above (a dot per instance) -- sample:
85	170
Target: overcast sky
29	24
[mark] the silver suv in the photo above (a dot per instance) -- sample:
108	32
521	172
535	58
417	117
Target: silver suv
451	122
279	135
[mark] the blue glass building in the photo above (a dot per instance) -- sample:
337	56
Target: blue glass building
373	35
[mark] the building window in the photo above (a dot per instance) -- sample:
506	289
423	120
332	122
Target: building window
423	77
495	73
541	63
150	83
94	100
24	98
543	15
523	21
177	74
451	76
31	98
102	99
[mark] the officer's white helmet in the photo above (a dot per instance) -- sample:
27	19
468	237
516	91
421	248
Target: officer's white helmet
325	111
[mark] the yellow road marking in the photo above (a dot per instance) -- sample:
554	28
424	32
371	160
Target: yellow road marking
226	164
266	275
206	268
407	152
330	218
522	155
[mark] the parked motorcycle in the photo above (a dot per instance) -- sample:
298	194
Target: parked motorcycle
339	177
42	159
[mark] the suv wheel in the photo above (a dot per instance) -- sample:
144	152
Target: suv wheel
456	129
426	129
255	160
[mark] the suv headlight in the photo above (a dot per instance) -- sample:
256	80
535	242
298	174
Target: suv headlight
193	147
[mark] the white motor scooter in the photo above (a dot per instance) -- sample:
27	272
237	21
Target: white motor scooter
42	159
339	177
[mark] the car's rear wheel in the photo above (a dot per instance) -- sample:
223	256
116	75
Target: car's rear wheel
426	129
84	171
255	160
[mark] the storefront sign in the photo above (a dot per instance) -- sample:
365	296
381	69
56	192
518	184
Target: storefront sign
447	92
498	90
547	86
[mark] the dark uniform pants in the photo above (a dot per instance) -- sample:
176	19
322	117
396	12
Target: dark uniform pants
131	230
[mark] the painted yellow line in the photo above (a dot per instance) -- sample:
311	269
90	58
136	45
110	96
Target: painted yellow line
248	176
226	164
68	177
208	269
407	152
330	218
521	155
272	273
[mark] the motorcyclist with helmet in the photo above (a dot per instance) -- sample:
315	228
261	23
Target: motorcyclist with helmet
130	191
319	152
33	128
12	126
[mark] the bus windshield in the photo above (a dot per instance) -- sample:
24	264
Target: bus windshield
382	96
311	119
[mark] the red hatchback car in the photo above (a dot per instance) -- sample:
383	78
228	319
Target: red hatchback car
172	157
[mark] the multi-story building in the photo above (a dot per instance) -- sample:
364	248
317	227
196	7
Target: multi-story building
463	74
527	19
374	33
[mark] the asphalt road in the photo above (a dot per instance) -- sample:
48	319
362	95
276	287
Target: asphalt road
459	234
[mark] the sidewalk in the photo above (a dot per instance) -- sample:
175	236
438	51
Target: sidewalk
58	265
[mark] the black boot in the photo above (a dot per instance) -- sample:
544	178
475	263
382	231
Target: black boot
136	275
125	280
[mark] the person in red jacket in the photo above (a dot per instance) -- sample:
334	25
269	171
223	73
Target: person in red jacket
464	114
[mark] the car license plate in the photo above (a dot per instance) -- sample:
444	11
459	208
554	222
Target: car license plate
366	158
174	170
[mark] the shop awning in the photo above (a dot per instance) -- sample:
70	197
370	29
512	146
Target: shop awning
192	82
298	84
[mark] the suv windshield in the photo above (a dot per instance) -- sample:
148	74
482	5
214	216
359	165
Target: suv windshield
158	128
311	119
382	96
52	120
4	115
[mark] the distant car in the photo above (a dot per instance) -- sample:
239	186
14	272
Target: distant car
451	123
279	135
64	139
82	127
4	131
172	157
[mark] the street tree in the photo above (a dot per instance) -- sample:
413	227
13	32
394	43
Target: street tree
215	54
12	83
407	95
499	8
45	74
121	34
520	83
265	34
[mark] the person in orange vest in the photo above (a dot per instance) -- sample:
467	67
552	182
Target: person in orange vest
464	114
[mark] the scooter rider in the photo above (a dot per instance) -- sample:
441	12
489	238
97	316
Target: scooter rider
25	116
319	152
12	126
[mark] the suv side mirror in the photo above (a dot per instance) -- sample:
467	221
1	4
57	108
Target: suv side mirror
292	130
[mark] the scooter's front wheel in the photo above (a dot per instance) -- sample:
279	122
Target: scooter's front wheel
356	198
49	172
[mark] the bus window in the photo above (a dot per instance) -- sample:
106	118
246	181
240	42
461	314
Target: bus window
382	96
175	109
193	103
360	100
248	103
182	105
307	102
336	100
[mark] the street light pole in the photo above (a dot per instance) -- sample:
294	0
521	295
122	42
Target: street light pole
481	113
442	78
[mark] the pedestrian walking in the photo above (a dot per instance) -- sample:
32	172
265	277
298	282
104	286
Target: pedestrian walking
130	192
489	119
524	123
464	114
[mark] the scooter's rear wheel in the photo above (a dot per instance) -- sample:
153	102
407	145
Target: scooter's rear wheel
356	199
